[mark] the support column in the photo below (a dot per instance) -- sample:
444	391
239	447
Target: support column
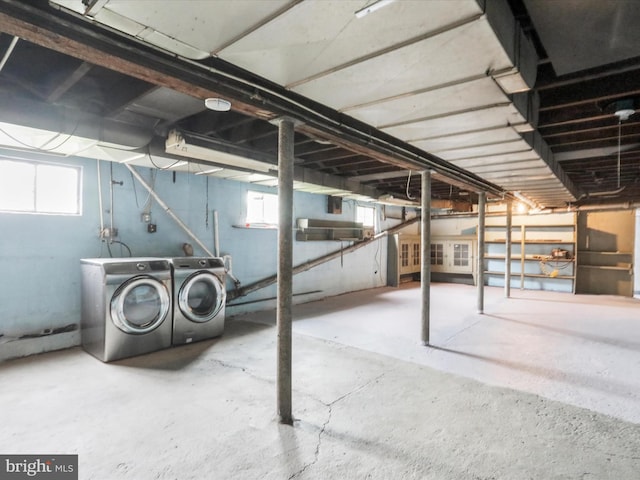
482	200
285	267
507	251
425	254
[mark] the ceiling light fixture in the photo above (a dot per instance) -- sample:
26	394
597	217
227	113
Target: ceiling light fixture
377	5
217	104
177	144
388	199
526	201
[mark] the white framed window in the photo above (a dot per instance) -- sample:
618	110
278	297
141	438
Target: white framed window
262	208
35	187
366	216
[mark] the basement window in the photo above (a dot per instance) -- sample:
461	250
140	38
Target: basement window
262	209
34	187
366	216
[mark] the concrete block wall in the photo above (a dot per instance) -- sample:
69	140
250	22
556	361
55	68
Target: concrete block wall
40	254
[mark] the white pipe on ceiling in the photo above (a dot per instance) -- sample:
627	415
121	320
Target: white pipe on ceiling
7	54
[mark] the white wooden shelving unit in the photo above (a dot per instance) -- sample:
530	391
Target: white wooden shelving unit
543	252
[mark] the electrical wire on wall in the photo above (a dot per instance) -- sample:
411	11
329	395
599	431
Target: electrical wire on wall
146	206
206	208
107	235
122	246
378	259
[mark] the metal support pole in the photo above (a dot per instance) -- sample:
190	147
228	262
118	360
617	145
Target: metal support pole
425	255
285	267
482	200
507	251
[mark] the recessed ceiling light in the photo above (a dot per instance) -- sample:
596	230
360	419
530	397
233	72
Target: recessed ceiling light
217	104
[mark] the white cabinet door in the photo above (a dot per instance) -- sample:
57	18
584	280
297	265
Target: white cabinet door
460	258
409	255
452	256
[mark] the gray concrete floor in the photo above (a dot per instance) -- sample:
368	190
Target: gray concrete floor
542	386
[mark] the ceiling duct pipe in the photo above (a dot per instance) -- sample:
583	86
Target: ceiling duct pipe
518	47
7	54
67	121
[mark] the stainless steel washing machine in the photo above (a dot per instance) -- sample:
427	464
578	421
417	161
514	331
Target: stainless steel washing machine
199	298
126	306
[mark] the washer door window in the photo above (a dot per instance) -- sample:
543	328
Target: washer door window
201	297
140	305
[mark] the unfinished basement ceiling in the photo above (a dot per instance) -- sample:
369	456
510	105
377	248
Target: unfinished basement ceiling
461	87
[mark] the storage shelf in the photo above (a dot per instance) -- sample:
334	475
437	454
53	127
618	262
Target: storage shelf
531	275
533	242
592	252
607	267
518	225
322	230
331	228
531	258
257	226
542	275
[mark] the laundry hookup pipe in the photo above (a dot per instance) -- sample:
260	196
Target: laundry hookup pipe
166	208
216	238
100	197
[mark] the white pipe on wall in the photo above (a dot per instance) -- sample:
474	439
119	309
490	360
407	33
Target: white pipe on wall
100	197
216	238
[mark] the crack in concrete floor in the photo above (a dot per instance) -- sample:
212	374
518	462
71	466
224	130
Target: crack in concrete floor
207	411
326	422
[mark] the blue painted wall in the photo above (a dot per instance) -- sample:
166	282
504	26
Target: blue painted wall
40	254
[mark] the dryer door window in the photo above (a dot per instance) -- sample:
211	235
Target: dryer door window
201	297
140	305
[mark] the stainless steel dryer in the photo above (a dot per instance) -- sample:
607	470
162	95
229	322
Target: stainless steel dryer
200	296
126	306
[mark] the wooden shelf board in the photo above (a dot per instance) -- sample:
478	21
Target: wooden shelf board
531	275
587	252
606	267
533	242
530	259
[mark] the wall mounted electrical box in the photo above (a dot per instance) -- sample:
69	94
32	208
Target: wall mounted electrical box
109	232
